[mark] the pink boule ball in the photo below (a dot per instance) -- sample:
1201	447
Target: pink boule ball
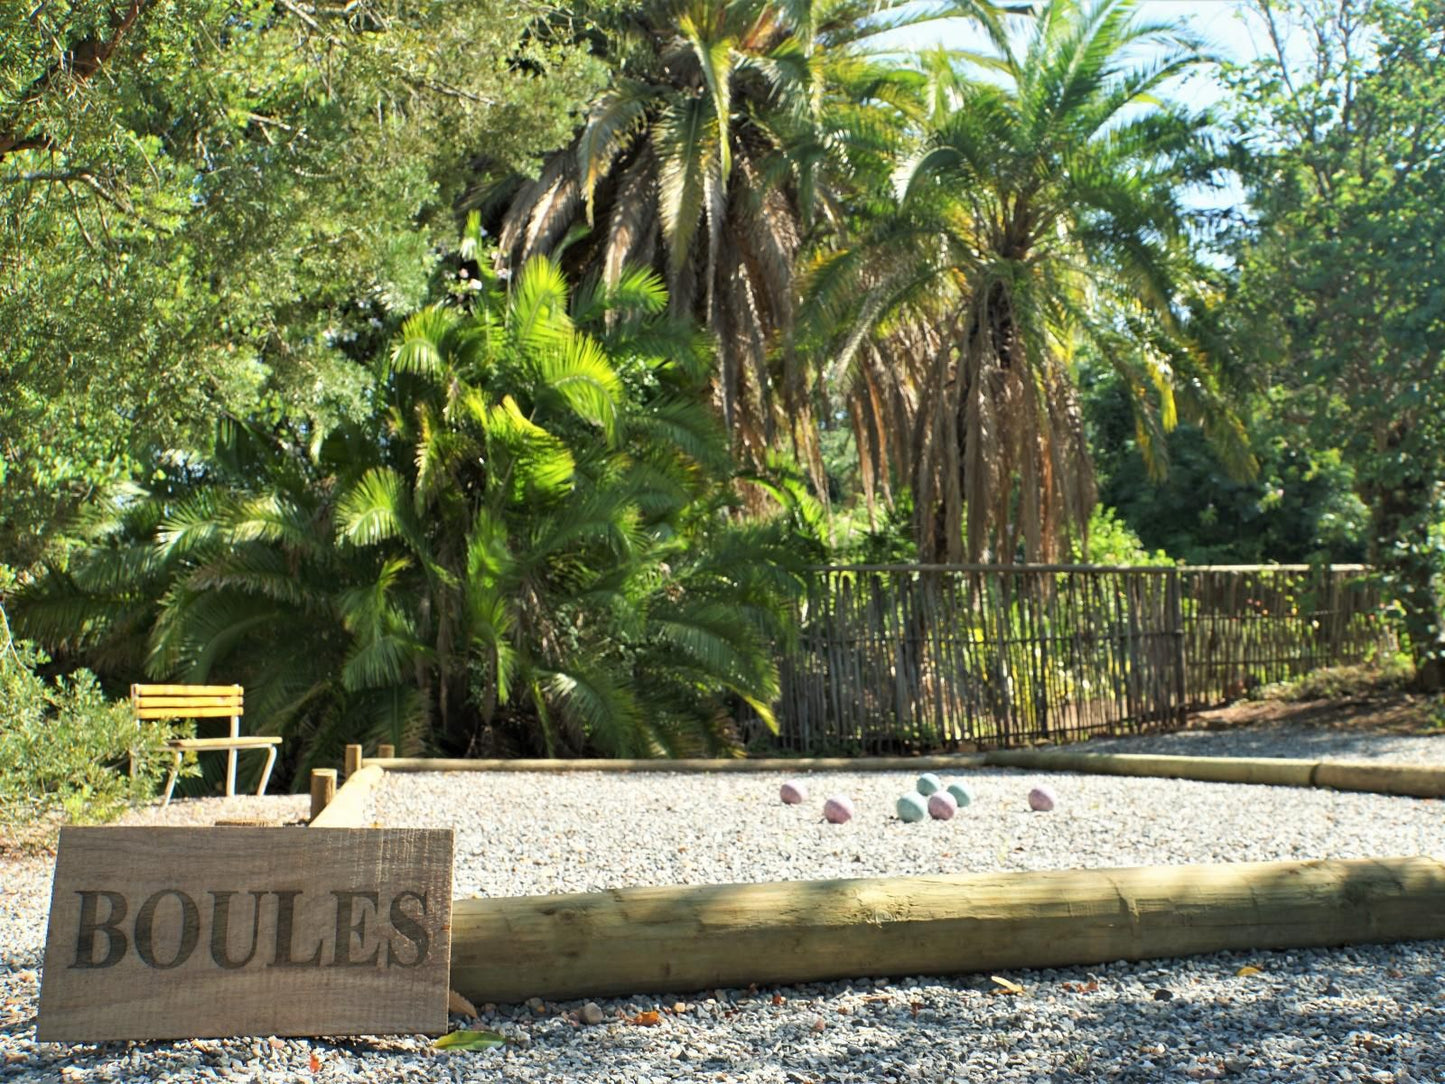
793	792
942	805
838	809
1041	799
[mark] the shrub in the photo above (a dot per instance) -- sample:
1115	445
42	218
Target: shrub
64	748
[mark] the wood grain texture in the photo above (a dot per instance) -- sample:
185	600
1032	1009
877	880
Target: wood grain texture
201	744
949	762
323	790
1419	781
187	690
350	805
1268	770
159	933
218	712
676	939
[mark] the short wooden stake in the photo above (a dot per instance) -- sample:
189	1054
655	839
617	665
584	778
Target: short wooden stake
323	789
385	752
352	763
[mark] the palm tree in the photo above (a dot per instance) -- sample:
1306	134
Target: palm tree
1039	213
521	549
718	150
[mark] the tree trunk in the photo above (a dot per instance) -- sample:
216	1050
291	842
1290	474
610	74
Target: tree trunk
1401	518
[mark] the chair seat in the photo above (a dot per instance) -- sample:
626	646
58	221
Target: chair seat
257	741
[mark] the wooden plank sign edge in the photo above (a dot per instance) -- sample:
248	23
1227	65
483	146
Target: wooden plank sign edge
171	933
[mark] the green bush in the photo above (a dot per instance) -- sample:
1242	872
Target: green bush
65	750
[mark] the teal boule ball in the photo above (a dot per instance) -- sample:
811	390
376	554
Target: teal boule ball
928	783
912	807
960	793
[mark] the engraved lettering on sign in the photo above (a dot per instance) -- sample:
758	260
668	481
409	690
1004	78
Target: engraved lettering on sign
90	925
170	933
285	925
190	928
221	929
367	929
347	924
409	928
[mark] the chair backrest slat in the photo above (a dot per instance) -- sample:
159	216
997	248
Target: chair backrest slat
187	701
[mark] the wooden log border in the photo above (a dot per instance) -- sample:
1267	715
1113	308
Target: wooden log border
1405	780
680	939
677	939
946	762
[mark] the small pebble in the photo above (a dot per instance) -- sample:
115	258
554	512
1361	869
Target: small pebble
592	1013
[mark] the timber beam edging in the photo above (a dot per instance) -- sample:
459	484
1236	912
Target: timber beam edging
348	809
677	939
1407	780
946	762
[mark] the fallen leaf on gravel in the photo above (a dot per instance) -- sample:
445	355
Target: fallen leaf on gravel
314	1063
1248	970
915	1007
469	1040
646	1019
778	999
1007	986
460	1005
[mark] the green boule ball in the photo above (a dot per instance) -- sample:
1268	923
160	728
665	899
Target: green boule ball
912	807
928	783
960	794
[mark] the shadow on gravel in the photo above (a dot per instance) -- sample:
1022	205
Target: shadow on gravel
1372	1013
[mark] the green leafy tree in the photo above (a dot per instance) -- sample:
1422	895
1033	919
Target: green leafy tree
209	203
521	549
1341	296
1299	507
1038	211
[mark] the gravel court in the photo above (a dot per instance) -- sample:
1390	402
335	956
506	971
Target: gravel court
1363	1013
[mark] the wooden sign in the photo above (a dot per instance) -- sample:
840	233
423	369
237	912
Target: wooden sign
168	933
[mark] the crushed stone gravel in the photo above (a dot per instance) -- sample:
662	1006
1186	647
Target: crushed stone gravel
1363	1013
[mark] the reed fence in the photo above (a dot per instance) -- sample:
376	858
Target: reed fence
894	658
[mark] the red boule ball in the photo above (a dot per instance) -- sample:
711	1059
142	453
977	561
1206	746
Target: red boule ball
942	805
838	809
793	792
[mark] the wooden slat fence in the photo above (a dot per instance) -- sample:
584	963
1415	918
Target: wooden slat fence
918	657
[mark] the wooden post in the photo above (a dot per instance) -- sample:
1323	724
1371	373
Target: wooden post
680	938
323	789
352	764
351	808
385	751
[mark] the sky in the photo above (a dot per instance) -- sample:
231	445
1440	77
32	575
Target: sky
1227	28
